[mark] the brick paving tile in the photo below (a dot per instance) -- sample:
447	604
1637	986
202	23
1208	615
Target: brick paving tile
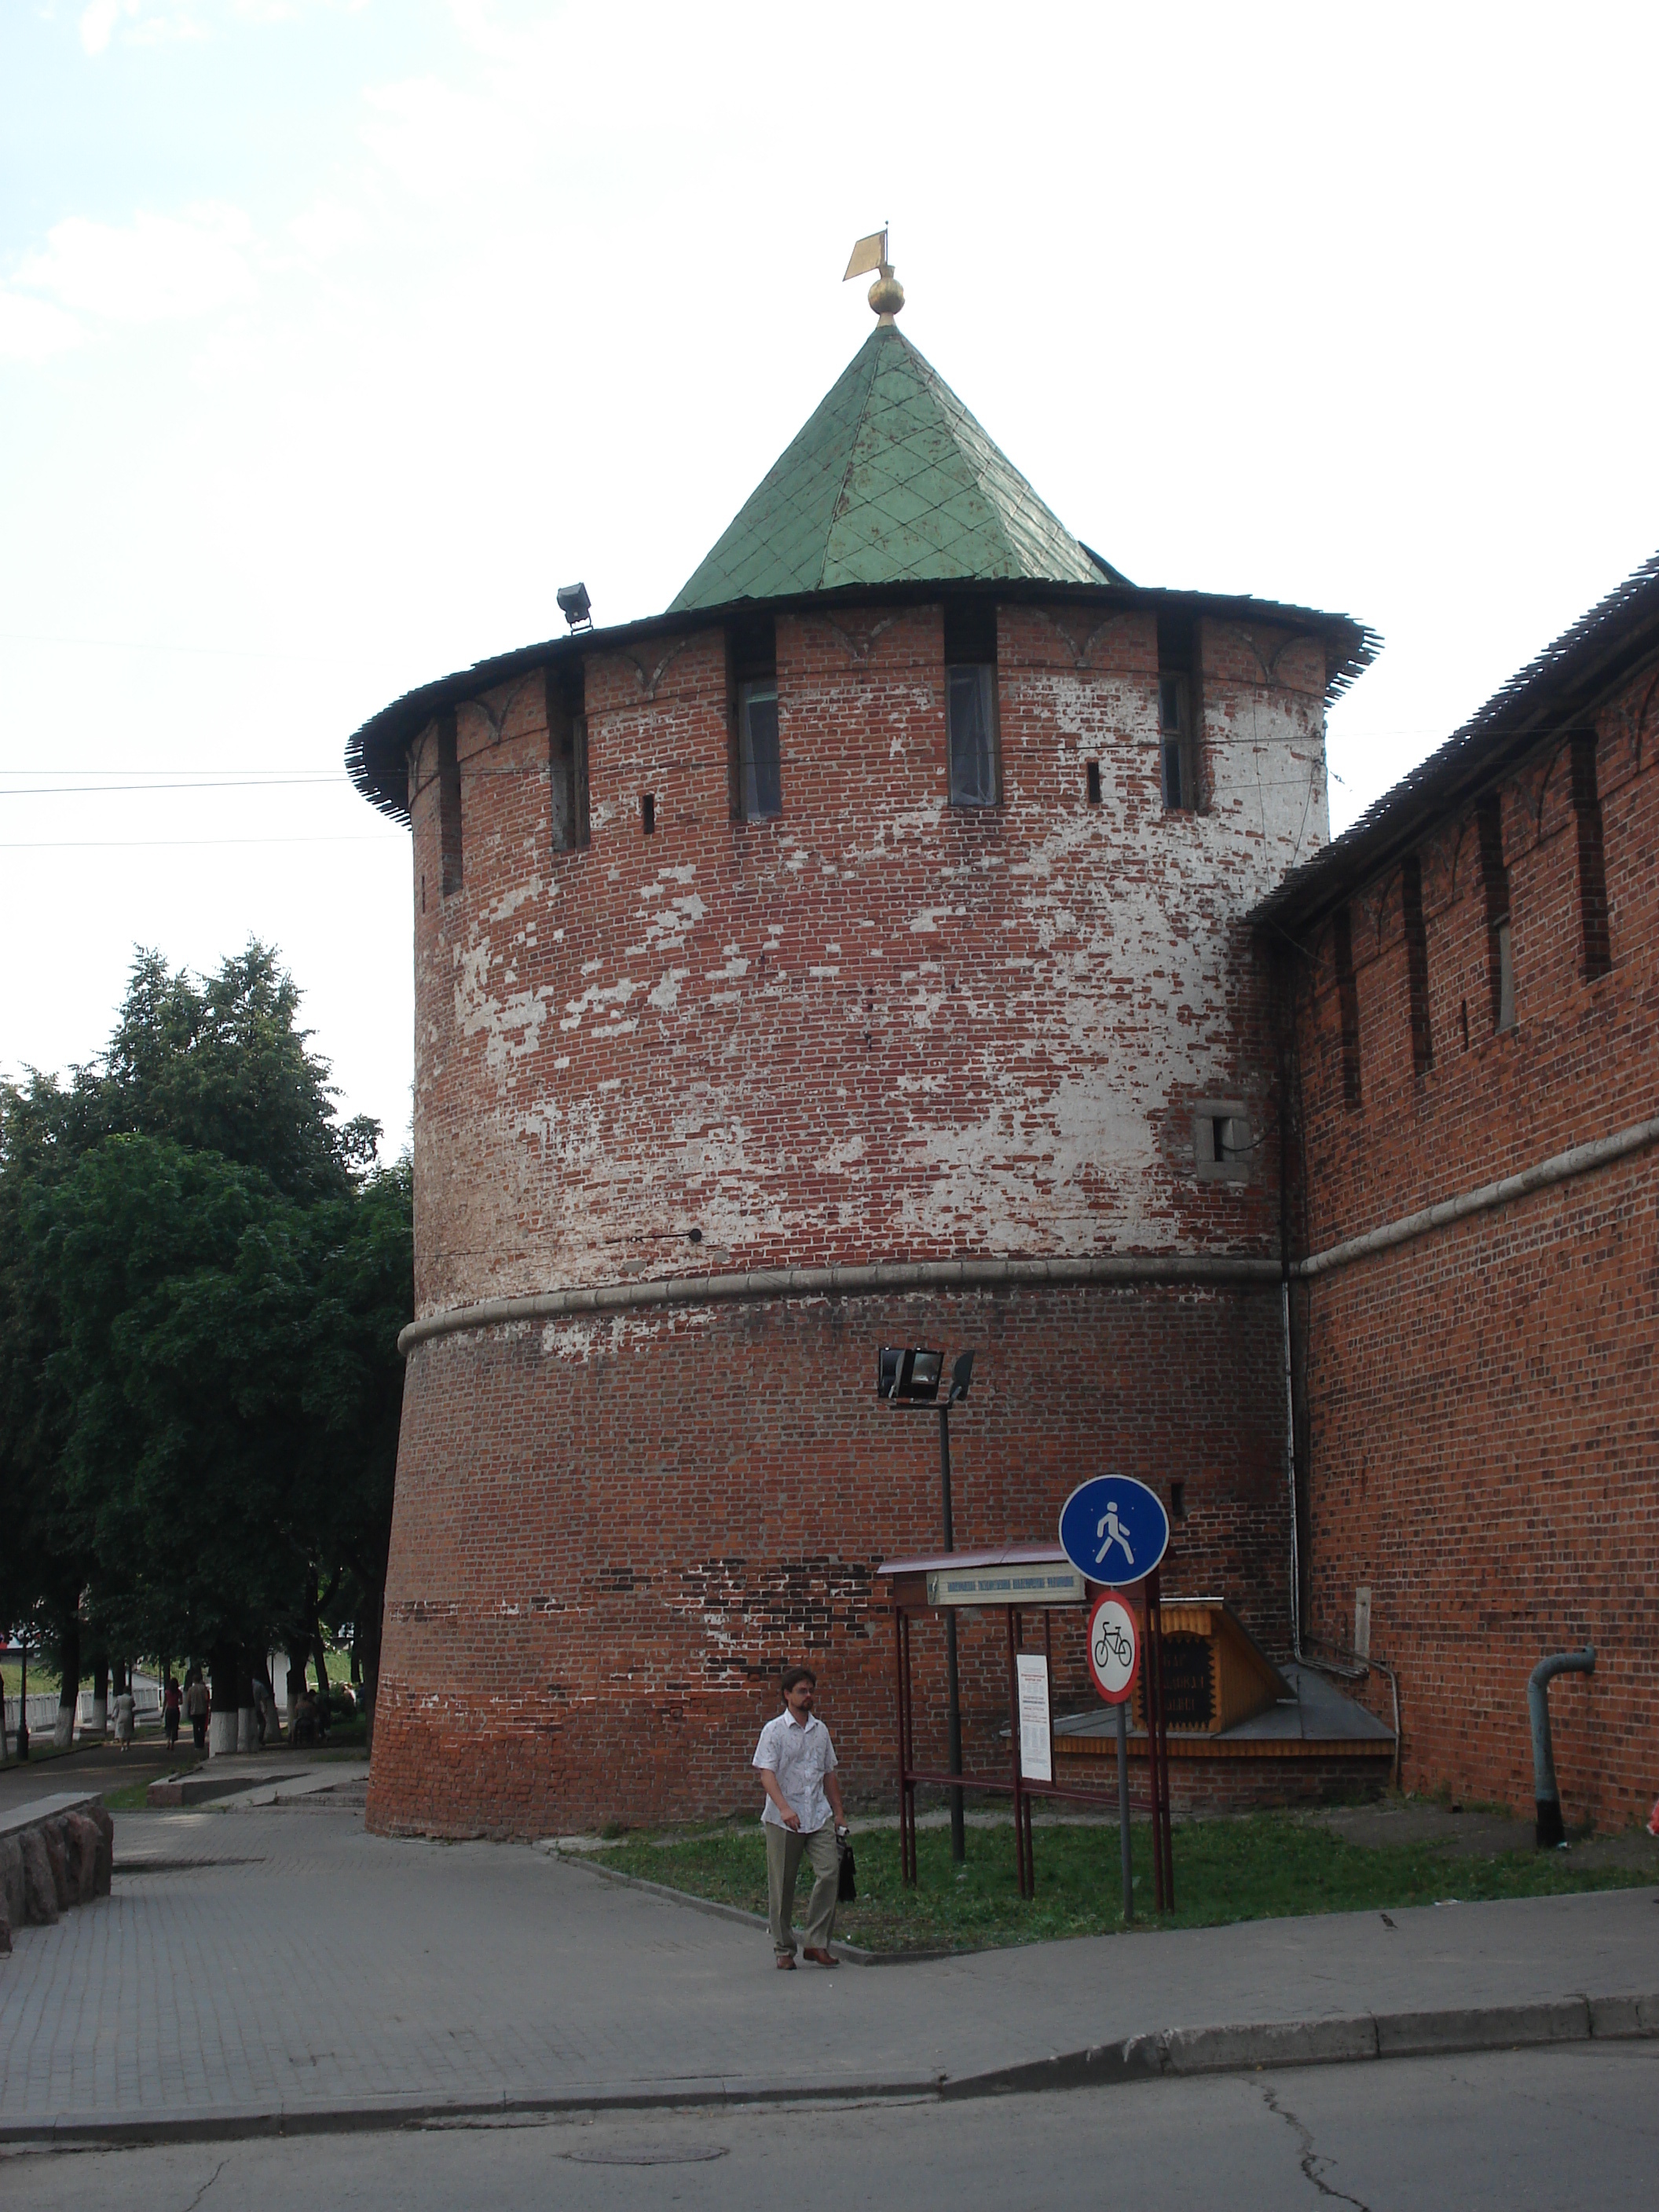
327	1966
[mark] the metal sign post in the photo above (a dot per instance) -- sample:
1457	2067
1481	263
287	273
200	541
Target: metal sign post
1115	1531
1115	1662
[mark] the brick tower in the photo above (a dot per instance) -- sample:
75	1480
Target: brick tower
854	953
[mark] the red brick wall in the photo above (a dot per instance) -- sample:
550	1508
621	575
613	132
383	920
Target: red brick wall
610	1534
1483	1419
877	1028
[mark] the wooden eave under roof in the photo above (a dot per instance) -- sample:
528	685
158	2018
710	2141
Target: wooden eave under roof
1557	692
377	754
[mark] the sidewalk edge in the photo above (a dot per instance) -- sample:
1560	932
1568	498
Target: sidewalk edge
1337	2039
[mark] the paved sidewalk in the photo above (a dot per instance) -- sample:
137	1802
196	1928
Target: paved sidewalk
253	1963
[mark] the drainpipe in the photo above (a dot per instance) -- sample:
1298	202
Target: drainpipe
1546	1790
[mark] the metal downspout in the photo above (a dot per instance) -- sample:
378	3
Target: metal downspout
1546	1790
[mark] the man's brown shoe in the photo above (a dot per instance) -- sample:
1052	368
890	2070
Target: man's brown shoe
821	1958
786	1961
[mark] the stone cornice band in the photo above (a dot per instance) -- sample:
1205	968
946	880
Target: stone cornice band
1108	1269
884	1276
1561	1166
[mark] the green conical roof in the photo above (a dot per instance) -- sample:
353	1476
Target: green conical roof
892	481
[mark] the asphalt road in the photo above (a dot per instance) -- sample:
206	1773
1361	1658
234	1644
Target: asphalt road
1524	2131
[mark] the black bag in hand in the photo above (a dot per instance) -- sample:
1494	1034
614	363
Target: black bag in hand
848	1888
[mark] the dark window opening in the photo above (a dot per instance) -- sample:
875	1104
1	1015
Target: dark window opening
1417	964
1495	883
1178	711
1463	1021
970	691
1347	999
1092	775
1177	1501
449	806
1592	862
649	813
567	756
756	779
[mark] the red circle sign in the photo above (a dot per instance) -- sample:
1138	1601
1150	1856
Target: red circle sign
1114	1648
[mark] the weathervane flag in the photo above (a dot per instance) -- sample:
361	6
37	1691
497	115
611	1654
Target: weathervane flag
869	256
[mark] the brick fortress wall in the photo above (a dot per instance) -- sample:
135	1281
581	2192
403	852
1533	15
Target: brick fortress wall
876	1028
1483	1415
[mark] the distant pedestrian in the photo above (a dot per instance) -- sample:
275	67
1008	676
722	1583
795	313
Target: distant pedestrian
796	1762
125	1707
264	1709
196	1706
170	1703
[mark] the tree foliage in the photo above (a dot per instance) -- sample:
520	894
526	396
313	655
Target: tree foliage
203	1275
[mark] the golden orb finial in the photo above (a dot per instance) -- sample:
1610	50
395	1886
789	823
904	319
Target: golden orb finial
886	293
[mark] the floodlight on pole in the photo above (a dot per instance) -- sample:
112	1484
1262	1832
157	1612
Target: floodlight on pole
909	1375
575	606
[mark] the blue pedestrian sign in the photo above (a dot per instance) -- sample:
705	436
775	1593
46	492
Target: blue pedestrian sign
1114	1529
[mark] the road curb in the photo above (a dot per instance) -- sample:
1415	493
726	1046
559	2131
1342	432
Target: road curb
1338	2039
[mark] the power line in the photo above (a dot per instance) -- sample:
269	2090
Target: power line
151	844
201	783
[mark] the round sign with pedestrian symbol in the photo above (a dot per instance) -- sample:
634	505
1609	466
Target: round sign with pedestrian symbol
1114	1529
1114	1648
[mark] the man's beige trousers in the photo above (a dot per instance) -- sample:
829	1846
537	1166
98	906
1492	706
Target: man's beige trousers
784	1851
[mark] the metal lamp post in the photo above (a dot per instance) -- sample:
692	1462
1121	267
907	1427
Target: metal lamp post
911	1377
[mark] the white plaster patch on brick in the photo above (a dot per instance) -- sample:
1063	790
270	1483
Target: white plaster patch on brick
597	995
511	1025
510	901
666	994
670	928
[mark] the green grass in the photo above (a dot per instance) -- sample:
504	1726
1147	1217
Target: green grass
1266	1866
42	1679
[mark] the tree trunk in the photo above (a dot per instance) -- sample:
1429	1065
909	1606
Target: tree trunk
247	1730
69	1688
324	1710
99	1724
223	1667
369	1639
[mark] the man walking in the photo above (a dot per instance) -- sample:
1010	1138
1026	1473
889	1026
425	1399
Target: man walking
796	1762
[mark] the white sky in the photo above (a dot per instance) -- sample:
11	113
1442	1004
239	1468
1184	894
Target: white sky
333	336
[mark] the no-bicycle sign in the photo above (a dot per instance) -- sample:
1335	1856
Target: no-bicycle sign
1114	1648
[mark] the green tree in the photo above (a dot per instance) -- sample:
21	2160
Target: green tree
202	1279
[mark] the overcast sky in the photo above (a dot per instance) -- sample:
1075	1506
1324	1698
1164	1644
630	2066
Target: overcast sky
334	334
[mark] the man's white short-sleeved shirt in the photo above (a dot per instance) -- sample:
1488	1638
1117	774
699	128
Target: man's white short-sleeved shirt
800	1757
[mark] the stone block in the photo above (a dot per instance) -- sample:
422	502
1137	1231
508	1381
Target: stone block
84	1844
39	1889
52	1839
99	1818
11	1881
1270	2043
1482	2027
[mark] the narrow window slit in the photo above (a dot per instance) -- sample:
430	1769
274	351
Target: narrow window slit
970	702
449	806
1416	964
649	813
1592	861
1091	771
1347	999
567	757
752	671
1495	883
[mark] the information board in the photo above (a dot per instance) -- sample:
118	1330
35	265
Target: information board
1035	1744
